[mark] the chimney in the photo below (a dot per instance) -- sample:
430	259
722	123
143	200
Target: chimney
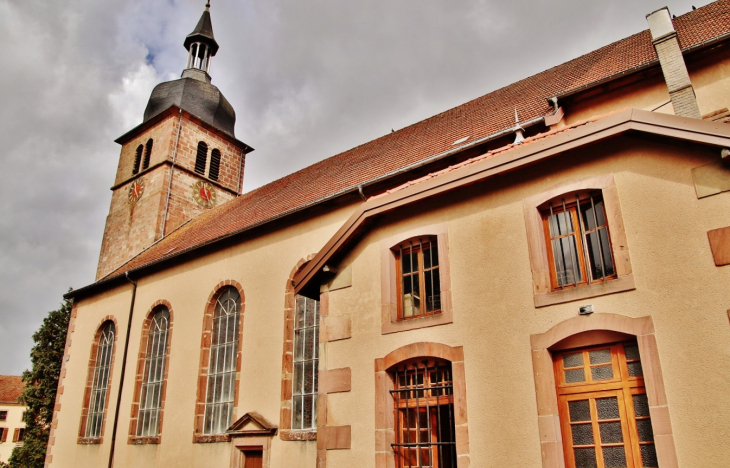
665	41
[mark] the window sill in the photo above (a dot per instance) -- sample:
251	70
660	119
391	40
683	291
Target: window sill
444	318
133	440
90	440
620	284
211	439
298	435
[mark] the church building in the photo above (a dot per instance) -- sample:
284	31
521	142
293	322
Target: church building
536	278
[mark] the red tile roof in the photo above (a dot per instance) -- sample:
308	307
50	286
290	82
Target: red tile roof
478	118
11	386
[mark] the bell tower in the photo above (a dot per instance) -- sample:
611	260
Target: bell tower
182	160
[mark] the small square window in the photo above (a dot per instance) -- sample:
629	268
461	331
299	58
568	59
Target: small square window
3	415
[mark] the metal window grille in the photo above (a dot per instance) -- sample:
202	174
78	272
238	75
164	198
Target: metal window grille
306	364
419	272
154	375
137	159
201	158
220	390
215	164
580	241
423	398
100	383
147	154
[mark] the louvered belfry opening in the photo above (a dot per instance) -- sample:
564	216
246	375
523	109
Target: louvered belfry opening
147	154
215	164
201	158
137	159
423	399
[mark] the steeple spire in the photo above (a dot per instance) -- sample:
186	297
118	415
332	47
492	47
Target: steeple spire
201	43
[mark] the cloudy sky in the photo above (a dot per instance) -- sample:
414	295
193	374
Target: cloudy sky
308	79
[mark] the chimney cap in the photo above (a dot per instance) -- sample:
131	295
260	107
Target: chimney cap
660	23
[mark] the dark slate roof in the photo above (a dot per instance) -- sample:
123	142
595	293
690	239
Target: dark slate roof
201	99
203	32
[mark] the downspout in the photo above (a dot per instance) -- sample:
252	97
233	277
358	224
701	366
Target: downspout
172	167
124	367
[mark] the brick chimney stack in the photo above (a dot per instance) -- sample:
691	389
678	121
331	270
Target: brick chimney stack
665	41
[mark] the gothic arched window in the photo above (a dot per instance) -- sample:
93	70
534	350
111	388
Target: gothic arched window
151	392
99	374
201	158
215	164
220	388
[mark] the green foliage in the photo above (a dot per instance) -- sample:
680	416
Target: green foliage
40	385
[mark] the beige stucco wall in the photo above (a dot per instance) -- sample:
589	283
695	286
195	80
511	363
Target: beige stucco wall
13	421
262	266
494	316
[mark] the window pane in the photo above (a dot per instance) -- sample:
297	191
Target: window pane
632	352
646	433
614	457
579	411
607	408
585	458
600	356
611	432
431	256
574	375
433	290
602	372
573	360
565	253
305	365
641	405
582	434
635	369
648	456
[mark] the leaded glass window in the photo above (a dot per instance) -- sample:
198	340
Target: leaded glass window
306	363
100	382
154	375
220	392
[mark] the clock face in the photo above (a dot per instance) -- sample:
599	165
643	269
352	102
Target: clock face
204	194
136	190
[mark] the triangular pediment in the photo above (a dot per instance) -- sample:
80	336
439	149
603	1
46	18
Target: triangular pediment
251	424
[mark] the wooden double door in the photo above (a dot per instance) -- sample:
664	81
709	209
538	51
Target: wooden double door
604	412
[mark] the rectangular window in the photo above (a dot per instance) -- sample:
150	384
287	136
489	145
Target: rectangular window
21	434
604	412
419	282
3	434
3	415
579	244
423	397
306	364
148	422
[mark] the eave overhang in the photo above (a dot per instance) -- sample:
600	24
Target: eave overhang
307	281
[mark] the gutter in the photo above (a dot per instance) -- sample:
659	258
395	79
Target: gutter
124	367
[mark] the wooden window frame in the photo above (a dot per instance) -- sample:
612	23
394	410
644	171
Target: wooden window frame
543	292
198	436
416	245
139	377
592	330
391	280
622	383
82	439
569	203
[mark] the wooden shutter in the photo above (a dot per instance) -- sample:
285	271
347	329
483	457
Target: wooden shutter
15	434
3	434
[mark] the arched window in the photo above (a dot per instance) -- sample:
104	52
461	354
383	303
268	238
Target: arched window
150	396
215	164
220	388
147	154
137	159
306	364
201	158
99	373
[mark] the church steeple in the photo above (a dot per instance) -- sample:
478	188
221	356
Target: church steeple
201	44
